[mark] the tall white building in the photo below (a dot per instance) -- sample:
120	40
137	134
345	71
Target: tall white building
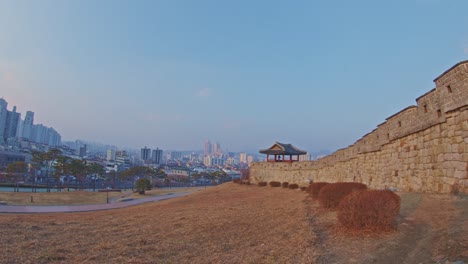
12	123
208	148
27	126
110	155
3	118
217	149
243	158
8	121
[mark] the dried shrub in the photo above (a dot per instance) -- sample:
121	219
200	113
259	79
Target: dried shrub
275	184
304	189
237	180
331	194
285	184
314	188
293	186
369	209
262	184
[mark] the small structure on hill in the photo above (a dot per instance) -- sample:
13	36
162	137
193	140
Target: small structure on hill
280	151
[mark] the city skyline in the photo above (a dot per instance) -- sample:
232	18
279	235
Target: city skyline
175	73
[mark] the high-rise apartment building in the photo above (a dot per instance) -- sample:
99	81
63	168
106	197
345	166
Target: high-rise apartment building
145	154
157	156
12	122
110	155
217	149
243	158
8	121
83	151
27	126
3	118
176	155
208	149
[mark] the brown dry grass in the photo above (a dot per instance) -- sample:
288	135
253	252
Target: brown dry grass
226	224
236	223
55	198
164	191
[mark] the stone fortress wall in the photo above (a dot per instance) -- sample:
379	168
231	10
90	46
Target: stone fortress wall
423	148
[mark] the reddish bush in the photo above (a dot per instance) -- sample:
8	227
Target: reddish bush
331	194
275	184
238	180
314	188
262	184
285	184
293	186
369	208
245	174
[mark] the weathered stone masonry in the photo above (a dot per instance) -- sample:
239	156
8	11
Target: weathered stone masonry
422	148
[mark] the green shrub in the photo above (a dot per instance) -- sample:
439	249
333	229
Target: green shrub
293	186
285	184
143	185
369	209
262	184
314	188
275	184
331	194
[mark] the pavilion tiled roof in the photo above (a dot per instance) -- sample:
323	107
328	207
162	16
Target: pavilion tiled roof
282	149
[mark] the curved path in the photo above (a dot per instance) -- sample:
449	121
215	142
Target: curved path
82	208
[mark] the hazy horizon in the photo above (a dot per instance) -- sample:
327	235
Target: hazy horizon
172	74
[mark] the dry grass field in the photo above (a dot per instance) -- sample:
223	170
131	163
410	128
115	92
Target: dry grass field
80	197
55	198
235	223
164	191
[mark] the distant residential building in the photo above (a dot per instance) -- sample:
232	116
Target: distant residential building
110	155
157	156
207	161
176	155
12	123
217	161
3	118
208	149
217	149
83	151
122	160
213	161
250	159
145	154
230	161
243	158
9	122
27	126
7	157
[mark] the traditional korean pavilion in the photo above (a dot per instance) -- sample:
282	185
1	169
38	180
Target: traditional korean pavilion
281	152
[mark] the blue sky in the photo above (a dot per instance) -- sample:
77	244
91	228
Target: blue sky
171	74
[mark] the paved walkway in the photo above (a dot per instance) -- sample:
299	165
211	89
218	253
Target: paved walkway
82	208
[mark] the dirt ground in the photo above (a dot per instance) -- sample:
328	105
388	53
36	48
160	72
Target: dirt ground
237	224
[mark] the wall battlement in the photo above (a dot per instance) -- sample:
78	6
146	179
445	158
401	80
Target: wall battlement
422	148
